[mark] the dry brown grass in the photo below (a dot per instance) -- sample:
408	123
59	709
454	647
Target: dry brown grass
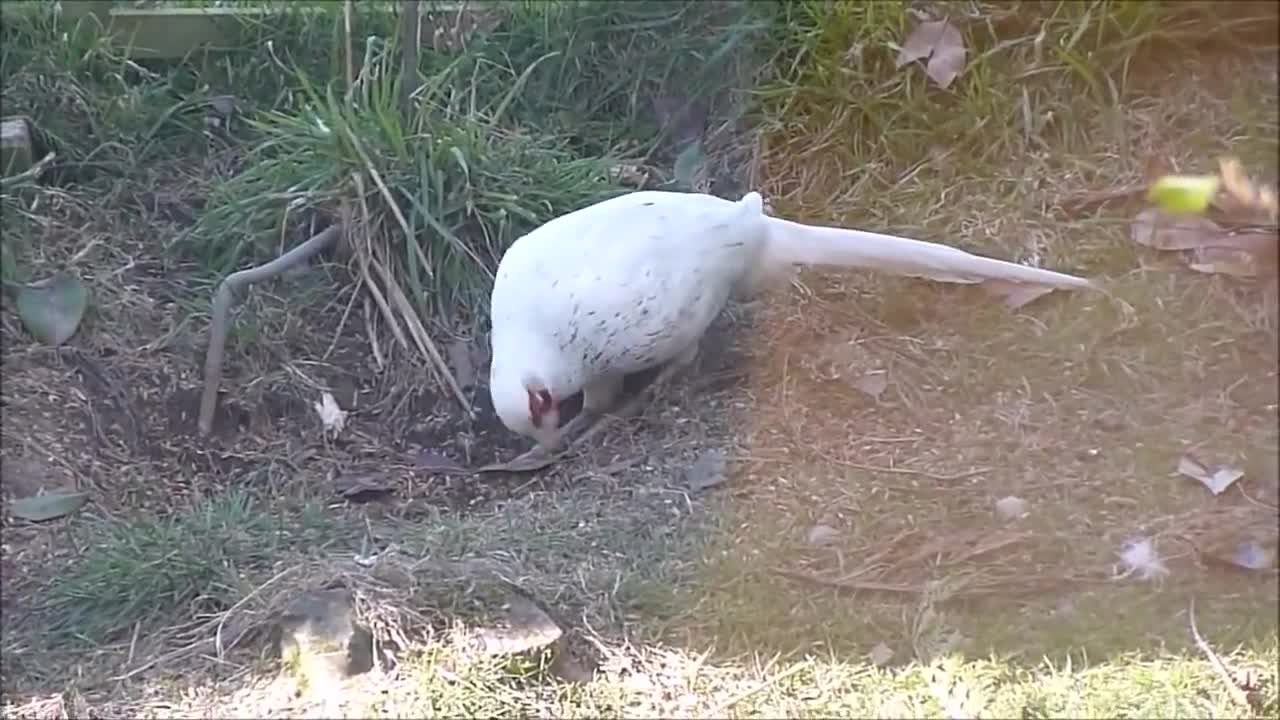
1081	404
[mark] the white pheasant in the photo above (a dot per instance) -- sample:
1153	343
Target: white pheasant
634	281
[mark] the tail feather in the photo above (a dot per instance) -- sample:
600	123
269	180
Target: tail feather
792	243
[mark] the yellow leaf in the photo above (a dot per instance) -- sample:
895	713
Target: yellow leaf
1184	194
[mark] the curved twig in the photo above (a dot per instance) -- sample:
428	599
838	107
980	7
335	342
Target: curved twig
223	300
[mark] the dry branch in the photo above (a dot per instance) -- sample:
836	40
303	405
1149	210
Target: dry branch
225	297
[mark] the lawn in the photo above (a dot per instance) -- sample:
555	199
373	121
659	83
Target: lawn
873	496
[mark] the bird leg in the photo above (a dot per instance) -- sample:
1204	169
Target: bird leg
598	397
655	390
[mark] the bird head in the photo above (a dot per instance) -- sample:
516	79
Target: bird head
527	406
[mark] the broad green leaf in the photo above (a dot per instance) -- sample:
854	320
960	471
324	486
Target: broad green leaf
1184	194
48	507
52	309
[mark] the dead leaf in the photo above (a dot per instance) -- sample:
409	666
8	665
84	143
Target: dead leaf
1250	253
707	471
332	417
1216	479
361	485
460	361
48	507
535	458
434	460
52	309
1243	195
1227	261
873	383
939	41
880	655
822	535
1011	508
1014	294
633	176
1156	229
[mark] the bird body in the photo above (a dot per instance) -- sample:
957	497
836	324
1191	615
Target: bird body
635	281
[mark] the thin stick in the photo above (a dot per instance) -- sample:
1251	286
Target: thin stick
351	60
225	297
362	257
342	323
907	471
29	173
847	584
1219	667
372	333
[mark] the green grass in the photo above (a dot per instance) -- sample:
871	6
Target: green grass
525	124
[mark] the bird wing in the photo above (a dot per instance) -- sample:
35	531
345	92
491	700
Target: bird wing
629	281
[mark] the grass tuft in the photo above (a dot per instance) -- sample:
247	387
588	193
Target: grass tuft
140	571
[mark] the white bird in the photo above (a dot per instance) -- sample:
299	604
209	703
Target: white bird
632	282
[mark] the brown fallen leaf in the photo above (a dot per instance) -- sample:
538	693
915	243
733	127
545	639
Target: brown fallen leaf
361	486
1156	229
707	471
461	361
535	458
434	461
1240	197
1217	479
1226	261
1212	249
939	41
1014	294
873	383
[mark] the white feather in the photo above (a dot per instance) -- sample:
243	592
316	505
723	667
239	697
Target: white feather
1139	558
634	281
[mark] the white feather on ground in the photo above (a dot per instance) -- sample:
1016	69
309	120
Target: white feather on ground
634	281
1139	558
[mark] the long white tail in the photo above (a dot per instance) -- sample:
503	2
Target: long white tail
792	243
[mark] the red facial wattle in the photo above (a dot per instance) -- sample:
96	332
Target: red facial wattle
540	403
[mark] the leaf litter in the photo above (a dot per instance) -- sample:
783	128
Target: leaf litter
1217	479
1241	239
939	41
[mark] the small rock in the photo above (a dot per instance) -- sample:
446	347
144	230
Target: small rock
707	471
822	535
320	642
1011	508
523	627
